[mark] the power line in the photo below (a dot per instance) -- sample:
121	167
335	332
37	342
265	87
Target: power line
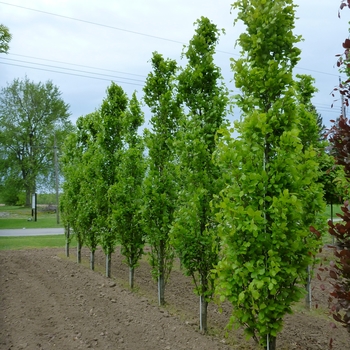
93	23
77	65
137	33
70	69
72	74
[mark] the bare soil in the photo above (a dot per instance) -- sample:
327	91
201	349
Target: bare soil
49	301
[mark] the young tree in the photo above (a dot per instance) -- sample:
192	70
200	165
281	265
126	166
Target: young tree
5	38
30	116
109	144
265	242
126	193
160	184
194	232
310	135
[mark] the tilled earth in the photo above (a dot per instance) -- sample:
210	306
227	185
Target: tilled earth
49	301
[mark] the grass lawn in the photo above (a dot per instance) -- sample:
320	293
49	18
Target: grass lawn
24	223
336	209
17	217
32	242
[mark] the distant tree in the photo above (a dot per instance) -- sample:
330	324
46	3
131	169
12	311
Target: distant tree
204	96
266	245
31	114
160	184
126	192
5	38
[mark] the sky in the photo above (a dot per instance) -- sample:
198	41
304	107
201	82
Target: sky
83	45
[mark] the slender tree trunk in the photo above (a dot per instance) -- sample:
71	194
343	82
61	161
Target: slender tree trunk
131	277
92	260
78	252
108	265
67	241
161	299
308	297
161	277
203	308
332	221
271	343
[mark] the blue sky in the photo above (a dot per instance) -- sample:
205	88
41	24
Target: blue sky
94	42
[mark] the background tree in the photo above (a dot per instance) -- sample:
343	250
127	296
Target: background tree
312	137
126	193
201	90
265	244
160	184
5	38
31	114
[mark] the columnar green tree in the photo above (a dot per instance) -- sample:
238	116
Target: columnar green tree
109	144
79	210
126	193
310	135
160	184
70	162
204	96
87	220
266	246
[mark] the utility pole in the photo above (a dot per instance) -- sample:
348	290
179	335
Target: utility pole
56	182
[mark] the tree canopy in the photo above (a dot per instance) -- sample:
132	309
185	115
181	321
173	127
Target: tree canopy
5	38
31	114
267	245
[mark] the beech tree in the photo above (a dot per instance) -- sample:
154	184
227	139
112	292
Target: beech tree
266	245
310	135
160	184
87	220
71	159
126	192
31	114
204	96
109	144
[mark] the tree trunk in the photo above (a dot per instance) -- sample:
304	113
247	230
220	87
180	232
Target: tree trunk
92	260
308	297
67	241
271	343
332	222
28	204
161	279
78	252
131	277
203	308
108	265
161	285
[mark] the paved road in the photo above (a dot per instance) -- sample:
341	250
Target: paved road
31	232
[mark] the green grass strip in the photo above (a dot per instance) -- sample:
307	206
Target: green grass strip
34	242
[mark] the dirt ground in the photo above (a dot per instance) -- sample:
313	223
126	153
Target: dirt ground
49	301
